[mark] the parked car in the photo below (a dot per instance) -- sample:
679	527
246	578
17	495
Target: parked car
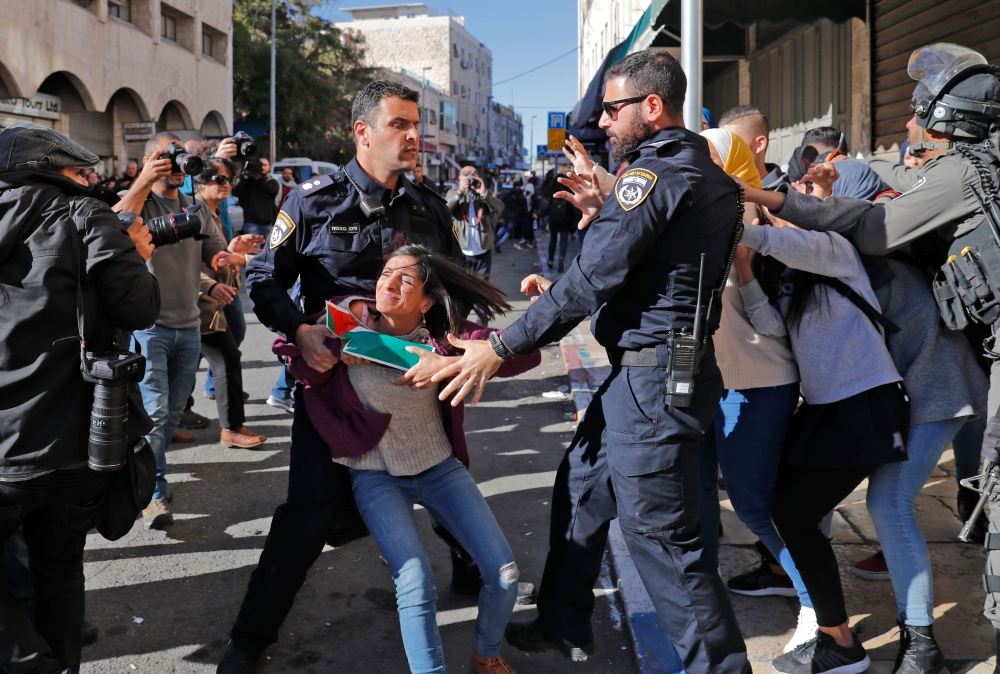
303	168
235	214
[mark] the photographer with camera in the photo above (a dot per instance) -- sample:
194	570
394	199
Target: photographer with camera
186	237
474	213
64	376
256	192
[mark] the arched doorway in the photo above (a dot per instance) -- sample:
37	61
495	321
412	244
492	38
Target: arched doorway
175	118
213	126
127	108
79	119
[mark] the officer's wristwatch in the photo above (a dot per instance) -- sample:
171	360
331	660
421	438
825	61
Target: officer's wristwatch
499	347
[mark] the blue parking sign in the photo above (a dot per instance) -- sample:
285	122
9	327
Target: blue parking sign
557	120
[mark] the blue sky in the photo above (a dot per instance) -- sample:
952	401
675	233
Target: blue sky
522	34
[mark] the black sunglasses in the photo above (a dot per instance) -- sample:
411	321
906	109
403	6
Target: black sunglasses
221	180
621	103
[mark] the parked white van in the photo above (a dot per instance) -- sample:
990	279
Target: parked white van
303	168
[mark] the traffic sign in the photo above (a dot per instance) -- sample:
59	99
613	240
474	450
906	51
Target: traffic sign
557	139
557	120
543	152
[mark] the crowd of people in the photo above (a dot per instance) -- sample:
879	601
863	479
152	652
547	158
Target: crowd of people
824	363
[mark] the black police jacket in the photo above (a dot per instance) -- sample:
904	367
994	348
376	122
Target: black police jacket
639	269
44	401
322	236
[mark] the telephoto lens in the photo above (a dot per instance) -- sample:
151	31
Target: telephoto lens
110	373
181	161
175	227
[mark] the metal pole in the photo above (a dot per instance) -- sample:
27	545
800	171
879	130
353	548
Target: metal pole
531	150
423	97
274	132
691	27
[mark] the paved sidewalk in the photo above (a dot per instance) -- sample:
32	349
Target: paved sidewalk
965	636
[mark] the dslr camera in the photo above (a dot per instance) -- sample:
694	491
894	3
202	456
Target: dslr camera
246	149
110	373
181	161
475	183
172	228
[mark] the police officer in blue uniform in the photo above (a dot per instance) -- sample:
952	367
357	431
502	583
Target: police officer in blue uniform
635	454
332	232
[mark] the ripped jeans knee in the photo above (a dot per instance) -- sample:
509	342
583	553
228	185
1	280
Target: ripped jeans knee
509	573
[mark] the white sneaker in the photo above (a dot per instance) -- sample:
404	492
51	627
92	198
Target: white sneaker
805	630
286	404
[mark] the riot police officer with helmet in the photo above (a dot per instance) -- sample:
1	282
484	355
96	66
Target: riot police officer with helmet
938	222
72	283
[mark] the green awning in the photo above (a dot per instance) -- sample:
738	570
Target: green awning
745	13
644	23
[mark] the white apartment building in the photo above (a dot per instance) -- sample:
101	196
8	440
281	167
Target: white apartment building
602	24
108	73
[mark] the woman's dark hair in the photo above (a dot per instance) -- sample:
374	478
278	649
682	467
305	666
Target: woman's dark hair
768	272
212	167
451	287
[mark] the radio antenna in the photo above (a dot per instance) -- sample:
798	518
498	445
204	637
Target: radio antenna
697	309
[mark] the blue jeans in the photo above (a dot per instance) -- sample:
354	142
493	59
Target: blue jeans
968	443
453	499
171	363
282	389
750	429
238	326
257	228
892	491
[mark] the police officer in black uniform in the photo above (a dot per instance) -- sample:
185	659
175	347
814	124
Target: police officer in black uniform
635	454
332	231
64	256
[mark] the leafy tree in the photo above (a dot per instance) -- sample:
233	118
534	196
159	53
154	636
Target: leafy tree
319	70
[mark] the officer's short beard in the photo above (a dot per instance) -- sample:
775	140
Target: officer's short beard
634	135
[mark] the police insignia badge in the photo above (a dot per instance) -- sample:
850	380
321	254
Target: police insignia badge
283	228
633	187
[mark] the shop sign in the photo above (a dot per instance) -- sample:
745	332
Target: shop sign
40	106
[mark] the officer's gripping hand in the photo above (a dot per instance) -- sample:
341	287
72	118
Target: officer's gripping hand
534	285
472	370
142	239
585	196
419	376
311	340
226	259
822	176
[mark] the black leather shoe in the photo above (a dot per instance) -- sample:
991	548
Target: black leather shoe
527	635
89	633
236	661
918	651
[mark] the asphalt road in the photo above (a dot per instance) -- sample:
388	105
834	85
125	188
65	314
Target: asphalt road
165	600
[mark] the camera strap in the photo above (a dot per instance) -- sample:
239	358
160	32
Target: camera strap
79	289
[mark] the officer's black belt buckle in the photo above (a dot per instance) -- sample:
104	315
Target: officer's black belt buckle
992	541
642	358
991	584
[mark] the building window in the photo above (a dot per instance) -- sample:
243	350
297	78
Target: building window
454	50
206	44
168	27
121	9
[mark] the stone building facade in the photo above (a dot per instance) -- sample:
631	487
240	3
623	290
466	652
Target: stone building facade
97	70
413	37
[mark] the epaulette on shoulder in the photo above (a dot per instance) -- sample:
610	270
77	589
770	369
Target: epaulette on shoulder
424	189
318	183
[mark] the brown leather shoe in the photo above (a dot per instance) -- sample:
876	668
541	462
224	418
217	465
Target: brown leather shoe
481	665
181	437
157	514
241	437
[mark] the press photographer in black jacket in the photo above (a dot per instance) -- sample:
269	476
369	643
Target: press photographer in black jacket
57	236
256	191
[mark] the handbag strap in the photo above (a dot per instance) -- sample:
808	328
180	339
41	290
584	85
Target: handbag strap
873	314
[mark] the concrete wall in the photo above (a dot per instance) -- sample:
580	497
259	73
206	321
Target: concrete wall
122	69
602	24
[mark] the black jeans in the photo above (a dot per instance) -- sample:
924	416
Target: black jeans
220	349
57	510
803	498
563	237
635	458
481	264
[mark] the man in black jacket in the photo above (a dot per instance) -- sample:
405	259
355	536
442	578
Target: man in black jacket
55	237
256	191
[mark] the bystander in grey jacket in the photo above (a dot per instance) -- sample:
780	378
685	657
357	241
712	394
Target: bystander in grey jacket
488	209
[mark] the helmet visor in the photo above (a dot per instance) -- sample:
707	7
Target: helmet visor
935	65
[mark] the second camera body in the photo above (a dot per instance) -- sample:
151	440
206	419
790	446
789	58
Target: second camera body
246	149
181	161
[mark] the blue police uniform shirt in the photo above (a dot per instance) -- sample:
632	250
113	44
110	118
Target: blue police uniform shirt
639	269
322	236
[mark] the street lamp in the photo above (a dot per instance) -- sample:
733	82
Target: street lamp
531	151
423	95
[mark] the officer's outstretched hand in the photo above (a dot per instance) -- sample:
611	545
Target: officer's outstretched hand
534	285
586	196
419	376
311	340
472	370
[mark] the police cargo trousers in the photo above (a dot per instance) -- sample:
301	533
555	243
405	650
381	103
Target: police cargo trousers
991	580
636	459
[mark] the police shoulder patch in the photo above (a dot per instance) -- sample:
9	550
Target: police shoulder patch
633	187
283	228
315	184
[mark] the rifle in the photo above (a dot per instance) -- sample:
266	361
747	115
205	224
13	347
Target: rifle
986	485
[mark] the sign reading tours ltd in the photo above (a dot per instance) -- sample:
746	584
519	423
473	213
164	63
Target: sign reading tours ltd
39	105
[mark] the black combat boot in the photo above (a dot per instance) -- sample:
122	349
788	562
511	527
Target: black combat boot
918	652
237	661
967	500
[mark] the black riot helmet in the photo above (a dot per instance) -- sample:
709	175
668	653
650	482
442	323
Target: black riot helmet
958	93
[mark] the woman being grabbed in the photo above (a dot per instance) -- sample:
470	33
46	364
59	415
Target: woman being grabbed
812	286
405	447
